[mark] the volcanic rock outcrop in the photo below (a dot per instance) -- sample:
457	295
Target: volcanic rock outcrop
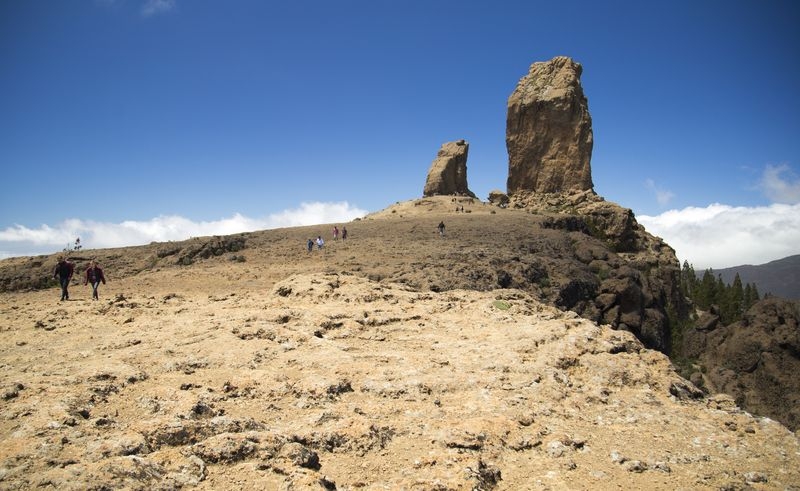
617	273
630	279
448	172
549	130
447	354
755	360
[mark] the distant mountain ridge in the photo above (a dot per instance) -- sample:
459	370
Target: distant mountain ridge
780	277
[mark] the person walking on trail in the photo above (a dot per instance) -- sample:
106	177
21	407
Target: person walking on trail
335	232
441	229
63	272
344	234
310	245
94	275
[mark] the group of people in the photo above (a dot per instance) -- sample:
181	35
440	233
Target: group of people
94	274
65	270
321	242
336	233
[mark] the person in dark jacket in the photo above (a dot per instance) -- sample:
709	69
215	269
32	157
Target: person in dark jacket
63	272
94	275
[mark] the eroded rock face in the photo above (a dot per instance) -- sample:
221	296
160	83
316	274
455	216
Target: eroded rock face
448	172
757	359
549	130
627	277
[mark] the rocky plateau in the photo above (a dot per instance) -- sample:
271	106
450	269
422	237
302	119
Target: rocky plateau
525	348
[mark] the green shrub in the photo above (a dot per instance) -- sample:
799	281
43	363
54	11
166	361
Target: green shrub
501	305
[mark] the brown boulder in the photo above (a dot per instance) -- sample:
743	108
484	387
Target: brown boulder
549	130
497	197
448	172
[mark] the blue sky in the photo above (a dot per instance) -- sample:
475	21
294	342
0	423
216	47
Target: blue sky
126	121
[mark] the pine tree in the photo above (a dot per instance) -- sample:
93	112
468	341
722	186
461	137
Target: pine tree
736	299
706	291
688	281
748	297
723	301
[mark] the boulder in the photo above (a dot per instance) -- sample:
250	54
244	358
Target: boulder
497	197
549	130
448	172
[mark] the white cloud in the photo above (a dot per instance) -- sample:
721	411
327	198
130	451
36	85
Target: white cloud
720	236
780	184
663	196
153	7
22	241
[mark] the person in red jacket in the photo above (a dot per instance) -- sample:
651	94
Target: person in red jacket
94	275
63	272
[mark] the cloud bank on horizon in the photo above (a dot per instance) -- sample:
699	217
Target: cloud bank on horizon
720	236
24	241
716	236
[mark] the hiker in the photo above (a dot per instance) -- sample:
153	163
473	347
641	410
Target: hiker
344	233
335	232
441	229
63	272
310	245
320	242
94	275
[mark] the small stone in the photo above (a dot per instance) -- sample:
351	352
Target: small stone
302	456
556	449
635	466
662	466
754	477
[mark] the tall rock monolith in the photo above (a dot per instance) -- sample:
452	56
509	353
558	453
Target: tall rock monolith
448	172
549	130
